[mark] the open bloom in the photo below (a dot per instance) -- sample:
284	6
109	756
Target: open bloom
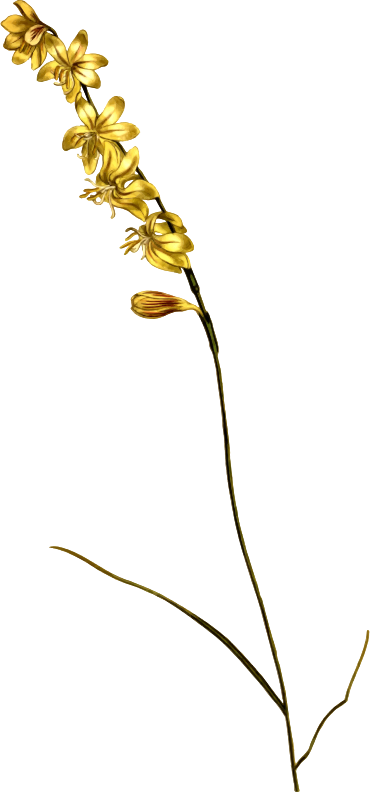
153	305
97	130
71	68
162	247
26	36
112	183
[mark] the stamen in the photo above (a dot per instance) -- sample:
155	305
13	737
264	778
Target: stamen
69	81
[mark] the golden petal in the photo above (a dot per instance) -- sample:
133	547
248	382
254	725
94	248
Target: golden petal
111	113
73	138
121	131
176	243
112	156
87	77
78	47
36	58
150	223
86	113
35	34
13	41
90	156
73	93
27	10
22	55
136	206
15	24
92	61
128	164
140	188
161	263
47	72
57	49
117	152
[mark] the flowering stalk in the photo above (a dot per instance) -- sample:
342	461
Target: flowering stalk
163	241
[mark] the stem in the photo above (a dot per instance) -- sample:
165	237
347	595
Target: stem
339	705
214	350
208	326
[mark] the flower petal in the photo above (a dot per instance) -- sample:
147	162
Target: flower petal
176	243
92	61
87	77
128	164
86	113
74	91
140	188
27	10
47	71
121	131
153	258
39	55
112	156
13	41
56	49
16	24
73	138
78	47
163	228
103	146
22	55
136	206
90	155
35	34
111	113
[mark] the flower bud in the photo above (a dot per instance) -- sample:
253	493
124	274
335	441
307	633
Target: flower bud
154	305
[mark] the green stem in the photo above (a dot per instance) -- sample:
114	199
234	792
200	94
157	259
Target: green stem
309	750
208	326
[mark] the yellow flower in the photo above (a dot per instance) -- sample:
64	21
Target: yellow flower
73	67
154	305
110	186
26	36
97	130
161	246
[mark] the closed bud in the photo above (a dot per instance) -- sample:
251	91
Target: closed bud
154	305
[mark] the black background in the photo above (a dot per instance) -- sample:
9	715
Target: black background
116	423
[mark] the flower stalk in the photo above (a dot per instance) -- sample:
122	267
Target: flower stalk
163	241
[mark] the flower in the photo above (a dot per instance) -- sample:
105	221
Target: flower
110	185
26	36
97	130
154	305
73	67
165	249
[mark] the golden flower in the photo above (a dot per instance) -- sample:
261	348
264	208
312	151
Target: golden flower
153	305
161	246
73	67
97	130
111	183
26	36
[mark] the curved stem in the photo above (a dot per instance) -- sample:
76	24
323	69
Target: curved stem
220	636
309	750
208	326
